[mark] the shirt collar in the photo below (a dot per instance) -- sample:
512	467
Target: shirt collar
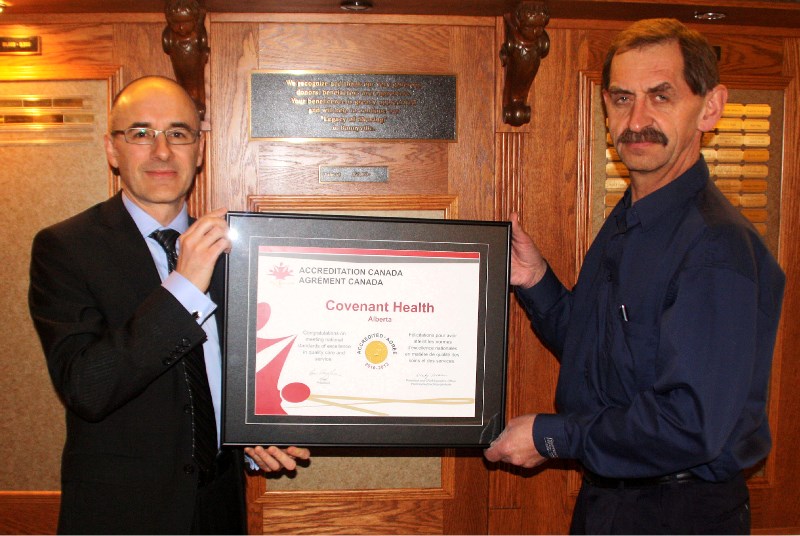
666	199
147	224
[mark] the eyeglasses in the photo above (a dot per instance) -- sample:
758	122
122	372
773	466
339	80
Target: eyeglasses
147	136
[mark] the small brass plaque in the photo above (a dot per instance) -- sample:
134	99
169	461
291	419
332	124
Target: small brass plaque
21	46
348	106
353	174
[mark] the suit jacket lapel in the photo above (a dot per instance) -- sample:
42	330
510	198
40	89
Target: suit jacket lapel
128	249
133	259
217	293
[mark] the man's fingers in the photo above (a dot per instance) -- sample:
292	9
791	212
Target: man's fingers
274	458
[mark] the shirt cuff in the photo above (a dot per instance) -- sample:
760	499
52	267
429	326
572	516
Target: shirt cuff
253	466
197	303
543	295
549	435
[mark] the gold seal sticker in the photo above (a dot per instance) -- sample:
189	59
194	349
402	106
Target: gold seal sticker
376	352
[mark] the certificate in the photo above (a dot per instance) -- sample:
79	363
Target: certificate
365	331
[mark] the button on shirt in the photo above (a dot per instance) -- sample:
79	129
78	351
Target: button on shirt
665	341
196	302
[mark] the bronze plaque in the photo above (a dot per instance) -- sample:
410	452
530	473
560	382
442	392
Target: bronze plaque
21	46
350	106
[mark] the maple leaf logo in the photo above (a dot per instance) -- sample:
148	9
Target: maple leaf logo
280	272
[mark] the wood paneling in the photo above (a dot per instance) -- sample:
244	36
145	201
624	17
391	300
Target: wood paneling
766	13
33	512
84	44
445	206
471	161
137	48
775	497
234	161
294	168
457	507
504	484
395	511
296	515
360	47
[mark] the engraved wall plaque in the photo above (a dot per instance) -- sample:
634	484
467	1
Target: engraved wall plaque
353	174
350	106
21	46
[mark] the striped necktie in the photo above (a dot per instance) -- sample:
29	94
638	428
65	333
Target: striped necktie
204	425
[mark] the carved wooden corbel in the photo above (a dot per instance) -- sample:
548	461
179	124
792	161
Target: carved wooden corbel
185	40
526	44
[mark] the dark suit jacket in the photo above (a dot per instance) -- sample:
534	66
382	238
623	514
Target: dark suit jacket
112	336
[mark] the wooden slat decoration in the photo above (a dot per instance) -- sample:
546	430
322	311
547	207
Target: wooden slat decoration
728	155
47	119
730	139
737	153
735	109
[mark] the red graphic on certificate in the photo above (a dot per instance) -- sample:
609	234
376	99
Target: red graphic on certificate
268	396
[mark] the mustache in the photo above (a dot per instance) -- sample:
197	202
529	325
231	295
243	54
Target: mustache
647	135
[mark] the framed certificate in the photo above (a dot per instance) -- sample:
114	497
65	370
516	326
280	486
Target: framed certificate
365	331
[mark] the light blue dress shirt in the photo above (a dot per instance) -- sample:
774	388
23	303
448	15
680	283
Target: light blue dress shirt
187	294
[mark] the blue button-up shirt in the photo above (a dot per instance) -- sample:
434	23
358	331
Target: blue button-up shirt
665	341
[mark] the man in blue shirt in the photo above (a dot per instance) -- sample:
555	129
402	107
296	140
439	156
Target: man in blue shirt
120	316
666	340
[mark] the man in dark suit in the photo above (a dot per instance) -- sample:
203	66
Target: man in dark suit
120	321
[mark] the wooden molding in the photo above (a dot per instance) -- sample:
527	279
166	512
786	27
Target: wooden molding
61	72
448	204
779	83
367	511
588	81
29	512
504	485
346	18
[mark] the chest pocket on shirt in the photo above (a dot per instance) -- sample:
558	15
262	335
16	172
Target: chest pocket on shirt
628	361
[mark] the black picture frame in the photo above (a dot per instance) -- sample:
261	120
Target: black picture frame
303	253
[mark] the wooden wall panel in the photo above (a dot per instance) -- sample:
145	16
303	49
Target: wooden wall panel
457	507
358	47
33	512
504	484
741	53
549	143
776	497
418	167
414	167
357	516
471	160
137	48
234	161
64	44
